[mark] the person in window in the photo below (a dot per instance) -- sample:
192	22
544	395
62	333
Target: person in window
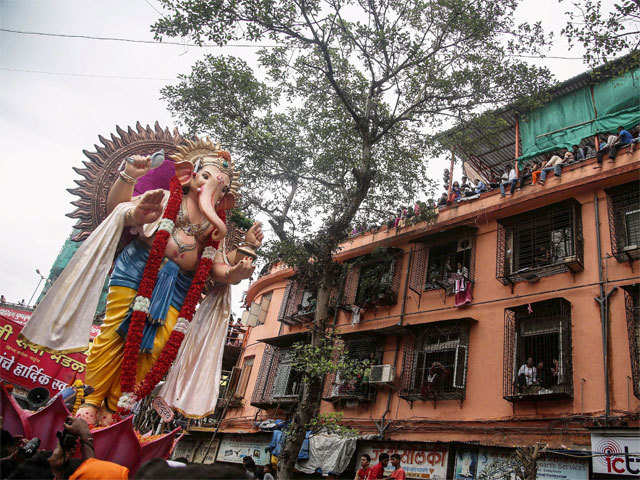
578	153
555	372
442	202
527	375
554	163
509	177
436	379
542	256
462	271
479	186
377	471
542	376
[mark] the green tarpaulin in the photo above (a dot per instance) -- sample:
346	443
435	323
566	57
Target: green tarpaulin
567	120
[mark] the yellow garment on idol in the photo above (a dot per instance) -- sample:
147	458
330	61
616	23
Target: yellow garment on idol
105	355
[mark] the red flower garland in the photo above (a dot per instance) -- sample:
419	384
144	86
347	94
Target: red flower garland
149	277
145	289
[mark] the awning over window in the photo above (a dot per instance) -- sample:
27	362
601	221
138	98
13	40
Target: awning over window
567	120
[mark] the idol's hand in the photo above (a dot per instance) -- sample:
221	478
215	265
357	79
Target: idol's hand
149	208
241	270
254	235
140	166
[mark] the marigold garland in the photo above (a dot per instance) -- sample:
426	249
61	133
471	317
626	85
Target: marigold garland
138	317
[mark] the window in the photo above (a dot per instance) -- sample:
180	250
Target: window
337	388
298	304
257	313
373	280
539	243
435	362
537	351
287	382
447	262
244	377
632	309
623	204
277	383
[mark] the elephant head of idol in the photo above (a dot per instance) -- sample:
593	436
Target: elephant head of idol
209	174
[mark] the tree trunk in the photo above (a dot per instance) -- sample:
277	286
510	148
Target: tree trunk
528	457
309	403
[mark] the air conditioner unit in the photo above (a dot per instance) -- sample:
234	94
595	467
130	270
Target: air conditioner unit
381	374
463	244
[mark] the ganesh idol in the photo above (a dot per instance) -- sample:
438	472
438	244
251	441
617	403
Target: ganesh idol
176	260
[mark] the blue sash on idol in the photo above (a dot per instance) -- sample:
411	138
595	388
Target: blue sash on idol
171	288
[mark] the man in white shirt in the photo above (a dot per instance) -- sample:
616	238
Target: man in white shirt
509	177
527	375
555	164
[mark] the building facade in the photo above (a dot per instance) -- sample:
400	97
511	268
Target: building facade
500	323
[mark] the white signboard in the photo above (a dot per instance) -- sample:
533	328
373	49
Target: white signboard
616	453
234	449
470	466
417	462
562	469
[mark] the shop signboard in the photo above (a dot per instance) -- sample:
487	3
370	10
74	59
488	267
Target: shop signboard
418	462
616	453
562	469
30	367
495	465
234	448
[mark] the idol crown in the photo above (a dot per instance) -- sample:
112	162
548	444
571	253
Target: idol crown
202	152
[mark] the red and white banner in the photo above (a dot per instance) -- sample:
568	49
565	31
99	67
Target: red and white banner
30	367
616	452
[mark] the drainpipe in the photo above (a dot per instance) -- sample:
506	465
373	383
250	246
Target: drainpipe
399	324
603	301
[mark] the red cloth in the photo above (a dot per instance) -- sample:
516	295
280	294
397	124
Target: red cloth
376	472
465	297
362	473
399	474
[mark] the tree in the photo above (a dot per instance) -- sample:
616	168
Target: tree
603	35
338	129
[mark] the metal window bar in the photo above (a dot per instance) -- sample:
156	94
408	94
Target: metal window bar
354	389
442	267
623	209
438	364
541	331
540	243
632	310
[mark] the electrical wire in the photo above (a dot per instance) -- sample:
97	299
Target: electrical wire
90	75
203	45
132	40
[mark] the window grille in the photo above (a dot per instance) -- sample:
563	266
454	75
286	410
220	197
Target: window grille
623	208
541	331
374	283
287	383
632	310
298	304
435	362
337	389
540	243
247	367
442	265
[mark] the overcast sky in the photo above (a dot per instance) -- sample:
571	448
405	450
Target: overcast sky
48	119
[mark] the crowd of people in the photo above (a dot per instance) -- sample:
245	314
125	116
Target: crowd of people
376	472
535	172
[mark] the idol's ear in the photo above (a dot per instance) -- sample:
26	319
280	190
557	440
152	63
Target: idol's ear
227	202
184	172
